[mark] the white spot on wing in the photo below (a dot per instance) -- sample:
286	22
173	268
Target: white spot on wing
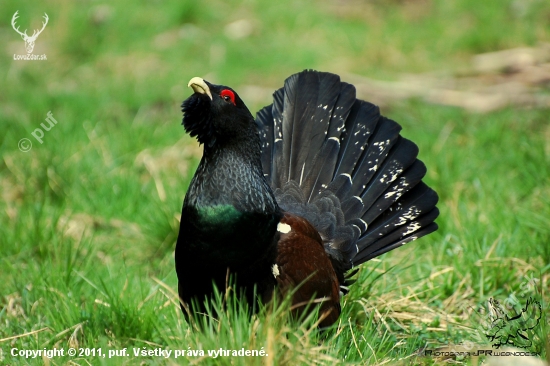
275	270
283	228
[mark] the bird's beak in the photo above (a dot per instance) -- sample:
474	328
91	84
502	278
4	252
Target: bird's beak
199	86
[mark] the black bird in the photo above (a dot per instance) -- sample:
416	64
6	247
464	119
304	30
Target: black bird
317	184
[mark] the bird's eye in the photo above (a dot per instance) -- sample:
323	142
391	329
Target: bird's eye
228	96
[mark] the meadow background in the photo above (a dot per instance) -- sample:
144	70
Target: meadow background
89	218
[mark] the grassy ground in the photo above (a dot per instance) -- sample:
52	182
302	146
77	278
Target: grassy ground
89	217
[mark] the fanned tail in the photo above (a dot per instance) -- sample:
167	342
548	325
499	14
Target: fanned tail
337	162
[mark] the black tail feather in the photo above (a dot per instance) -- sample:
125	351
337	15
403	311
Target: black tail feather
385	135
279	167
359	126
401	156
418	201
267	138
322	169
386	245
407	181
352	208
340	110
341	186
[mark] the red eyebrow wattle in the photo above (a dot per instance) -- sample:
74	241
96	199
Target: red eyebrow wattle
229	93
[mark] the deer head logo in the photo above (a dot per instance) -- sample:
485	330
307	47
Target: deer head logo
29	41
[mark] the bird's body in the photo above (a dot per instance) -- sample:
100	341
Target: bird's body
317	184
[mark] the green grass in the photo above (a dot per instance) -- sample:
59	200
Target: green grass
89	218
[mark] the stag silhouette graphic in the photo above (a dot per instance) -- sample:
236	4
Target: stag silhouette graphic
29	41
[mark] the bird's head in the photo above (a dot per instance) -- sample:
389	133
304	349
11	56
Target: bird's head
215	113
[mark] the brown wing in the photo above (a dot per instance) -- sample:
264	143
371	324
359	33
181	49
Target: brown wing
302	260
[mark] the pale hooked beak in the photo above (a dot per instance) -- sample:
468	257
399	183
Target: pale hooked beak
199	86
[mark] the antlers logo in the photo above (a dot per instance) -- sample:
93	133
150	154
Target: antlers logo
29	41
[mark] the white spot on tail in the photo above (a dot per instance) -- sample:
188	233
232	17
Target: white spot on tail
275	270
413	226
349	177
302	174
409	215
366	226
409	239
283	228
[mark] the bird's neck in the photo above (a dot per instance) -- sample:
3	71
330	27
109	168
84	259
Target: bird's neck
231	175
